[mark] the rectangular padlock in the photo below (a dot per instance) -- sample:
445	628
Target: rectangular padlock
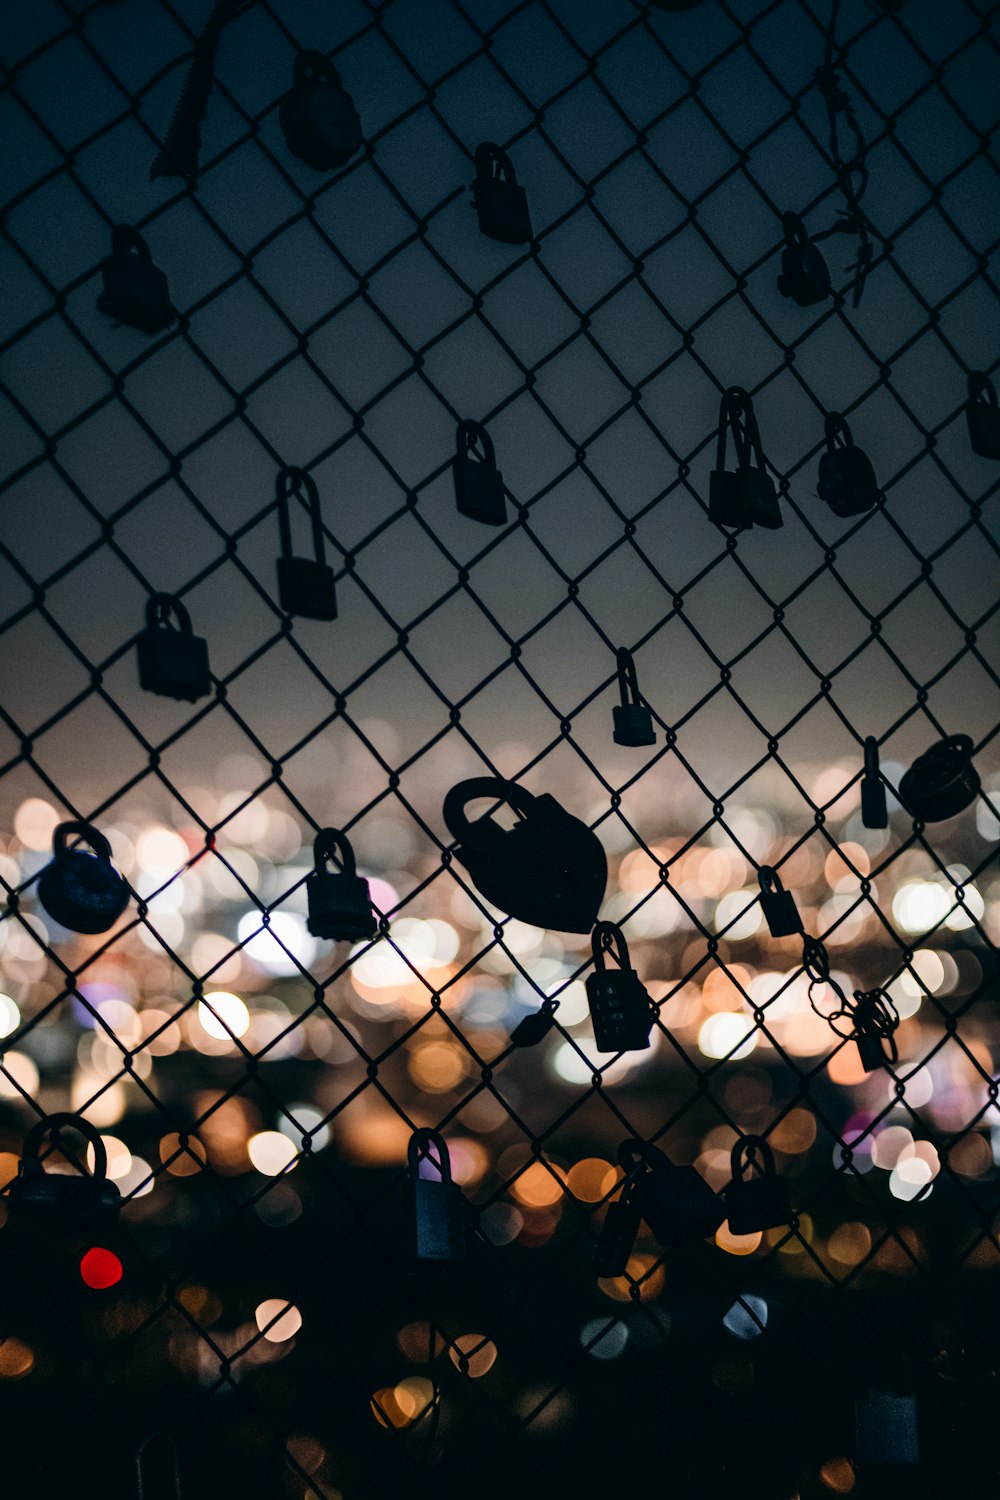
874	812
340	906
778	905
871	1050
633	724
438	1220
136	293
618	1236
479	492
886	1430
761	499
757	1203
306	588
984	428
727	499
678	1204
502	208
620	1010
173	664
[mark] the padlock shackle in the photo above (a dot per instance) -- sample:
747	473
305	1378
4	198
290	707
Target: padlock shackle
794	231
84	831
125	238
838	433
872	772
519	798
606	938
634	1153
744	1149
875	1015
147	1469
981	388
159	608
307	61
628	680
330	841
419	1146
470	433
291	478
44	1126
738	418
492	162
958	745
769	881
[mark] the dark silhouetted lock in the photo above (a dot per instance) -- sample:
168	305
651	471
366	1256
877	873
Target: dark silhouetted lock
536	1027
745	496
676	1202
81	890
158	1472
620	1008
875	1021
438	1208
549	869
501	203
633	720
135	291
941	782
305	584
317	115
760	1202
478	482
173	661
778	905
983	416
846	478
340	902
886	1431
805	276
63	1200
618	1235
874	813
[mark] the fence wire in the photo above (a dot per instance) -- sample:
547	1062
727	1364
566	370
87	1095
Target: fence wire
257	1303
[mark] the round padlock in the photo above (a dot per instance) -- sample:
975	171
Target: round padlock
317	115
81	889
941	782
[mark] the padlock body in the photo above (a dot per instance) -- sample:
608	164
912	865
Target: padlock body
984	428
847	481
82	892
306	588
678	1204
502	208
320	124
780	913
479	490
886	1430
743	497
61	1201
135	292
438	1210
871	1051
617	1238
874	812
762	499
939	784
340	906
619	1010
756	1203
633	724
173	663
805	275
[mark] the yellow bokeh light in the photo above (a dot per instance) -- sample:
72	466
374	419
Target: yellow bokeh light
838	1475
736	1244
278	1320
538	1185
474	1354
182	1157
271	1152
223	1016
591	1179
850	1243
17	1359
643	1273
8	1167
795	1133
438	1066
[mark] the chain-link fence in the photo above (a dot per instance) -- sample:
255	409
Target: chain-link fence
794	199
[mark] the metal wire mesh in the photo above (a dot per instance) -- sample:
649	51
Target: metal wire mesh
269	1315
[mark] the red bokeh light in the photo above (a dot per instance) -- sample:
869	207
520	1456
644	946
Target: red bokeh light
100	1269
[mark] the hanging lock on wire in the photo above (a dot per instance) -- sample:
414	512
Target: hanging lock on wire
620	1008
874	812
875	1021
805	276
437	1207
81	889
778	905
479	492
135	290
676	1202
340	902
983	416
317	116
760	1202
619	1233
305	584
64	1200
745	496
173	661
846	477
633	720
501	203
941	782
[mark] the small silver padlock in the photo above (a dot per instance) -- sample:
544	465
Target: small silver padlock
317	115
501	204
778	905
172	661
80	889
305	584
479	491
746	495
633	720
135	291
620	1008
437	1204
340	902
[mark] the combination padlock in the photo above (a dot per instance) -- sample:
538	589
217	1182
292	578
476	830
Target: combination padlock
81	889
549	869
874	812
340	901
778	905
479	491
676	1202
846	478
620	1008
875	1021
317	115
135	291
173	661
63	1200
305	584
760	1202
619	1233
437	1207
805	276
501	204
941	782
983	416
632	718
746	495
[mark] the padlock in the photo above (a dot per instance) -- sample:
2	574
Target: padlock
305	585
317	115
633	720
535	1027
620	1009
157	1469
63	1200
340	901
437	1207
501	204
846	478
875	1021
874	813
755	1203
746	495
941	782
778	905
886	1431
619	1233
172	662
676	1202
805	276
983	416
549	869
82	890
479	491
135	291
